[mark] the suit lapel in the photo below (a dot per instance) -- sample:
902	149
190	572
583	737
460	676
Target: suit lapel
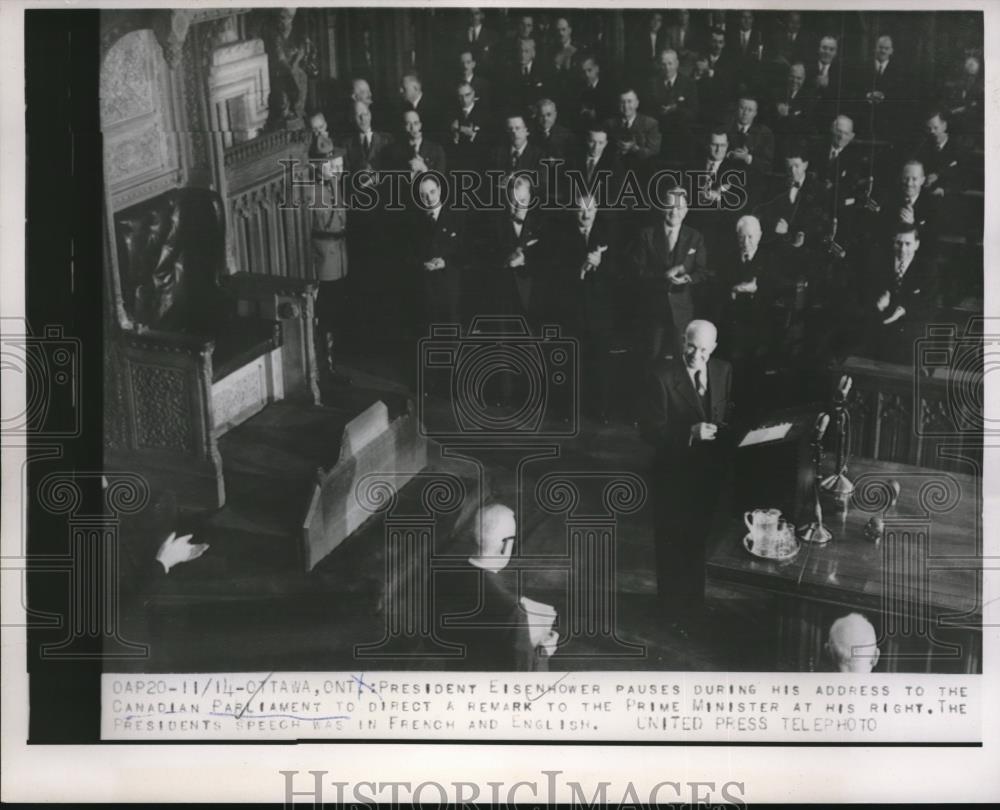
685	388
715	391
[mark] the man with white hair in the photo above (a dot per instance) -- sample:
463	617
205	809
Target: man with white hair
480	609
686	411
852	644
745	296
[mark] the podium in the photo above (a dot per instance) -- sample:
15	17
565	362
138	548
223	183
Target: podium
777	473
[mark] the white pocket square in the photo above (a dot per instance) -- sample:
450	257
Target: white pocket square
692	250
953	164
531	242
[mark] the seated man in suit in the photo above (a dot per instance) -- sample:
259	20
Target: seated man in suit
687	408
673	99
670	260
941	156
901	296
751	143
554	140
481	609
789	43
479	38
681	37
852	645
636	136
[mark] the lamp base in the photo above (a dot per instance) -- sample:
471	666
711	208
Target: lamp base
815	533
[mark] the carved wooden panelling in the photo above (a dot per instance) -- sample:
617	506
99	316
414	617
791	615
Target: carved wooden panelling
238	90
161	408
140	153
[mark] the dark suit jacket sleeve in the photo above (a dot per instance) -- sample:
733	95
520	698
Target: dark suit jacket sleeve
696	263
763	153
657	425
649	142
644	257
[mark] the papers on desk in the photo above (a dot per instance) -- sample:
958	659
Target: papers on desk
541	617
767	433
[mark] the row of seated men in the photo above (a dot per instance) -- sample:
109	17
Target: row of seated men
789	262
684	78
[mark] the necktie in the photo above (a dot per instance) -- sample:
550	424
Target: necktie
524	71
746	258
416	149
899	270
833	154
514	157
699	382
590	167
671	240
366	145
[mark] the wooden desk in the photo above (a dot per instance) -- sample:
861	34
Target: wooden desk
920	586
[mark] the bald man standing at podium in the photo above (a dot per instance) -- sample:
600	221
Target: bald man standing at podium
687	410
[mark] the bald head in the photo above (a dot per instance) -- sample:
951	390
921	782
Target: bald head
852	644
495	528
700	339
361	91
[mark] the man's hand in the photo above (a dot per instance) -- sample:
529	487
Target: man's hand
897	313
678	275
516	259
594	258
823	80
626	147
876	96
437	263
783	109
883	302
176	550
799	240
938	192
746	286
906	214
549	643
417	165
781	227
665	109
703	432
741	154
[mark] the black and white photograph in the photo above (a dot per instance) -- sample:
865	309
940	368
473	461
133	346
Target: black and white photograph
503	374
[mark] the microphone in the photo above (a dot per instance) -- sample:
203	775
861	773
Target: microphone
822	423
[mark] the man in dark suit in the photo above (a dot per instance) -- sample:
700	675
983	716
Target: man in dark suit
551	137
670	259
415	152
526	80
597	99
909	204
413	99
521	253
842	169
715	75
518	154
718	184
481	609
942	157
673	99
644	50
584	253
636	136
747	293
746	42
470	127
436	243
470	74
479	38
367	150
599	171
687	410
900	297
681	37
751	143
789	43
825	76
793	110
883	91
796	215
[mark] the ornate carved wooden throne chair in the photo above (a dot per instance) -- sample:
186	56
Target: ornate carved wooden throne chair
199	351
